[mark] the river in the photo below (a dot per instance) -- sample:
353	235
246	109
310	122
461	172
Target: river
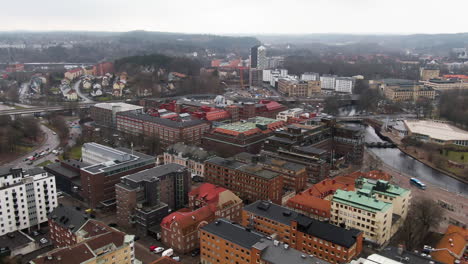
394	158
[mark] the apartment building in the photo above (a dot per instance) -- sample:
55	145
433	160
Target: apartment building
245	136
446	84
26	198
180	230
328	81
191	157
310	236
107	166
168	131
425	74
250	182
105	114
315	202
74	73
298	88
310	76
111	246
145	197
294	174
344	85
223	241
403	90
70	225
362	211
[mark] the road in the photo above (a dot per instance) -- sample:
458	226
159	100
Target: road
85	99
51	142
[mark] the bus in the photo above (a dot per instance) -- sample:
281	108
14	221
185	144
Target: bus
418	183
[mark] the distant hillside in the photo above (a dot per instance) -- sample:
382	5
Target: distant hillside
135	64
98	46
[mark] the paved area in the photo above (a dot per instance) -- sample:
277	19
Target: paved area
455	205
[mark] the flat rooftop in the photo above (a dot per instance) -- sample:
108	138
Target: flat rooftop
361	201
251	123
234	233
121	107
14	240
436	130
155	172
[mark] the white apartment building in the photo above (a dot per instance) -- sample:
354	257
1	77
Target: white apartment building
26	198
310	76
328	81
344	85
268	75
290	113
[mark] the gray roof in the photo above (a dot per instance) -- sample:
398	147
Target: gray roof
17	239
69	217
6	170
248	158
35	171
259	171
281	139
57	168
163	121
235	233
322	230
280	255
413	258
155	172
191	152
310	150
230	163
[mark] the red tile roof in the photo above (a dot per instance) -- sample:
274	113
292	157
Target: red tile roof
207	192
186	218
452	243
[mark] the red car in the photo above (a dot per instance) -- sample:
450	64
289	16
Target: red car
152	248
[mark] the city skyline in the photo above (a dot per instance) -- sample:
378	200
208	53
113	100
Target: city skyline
297	16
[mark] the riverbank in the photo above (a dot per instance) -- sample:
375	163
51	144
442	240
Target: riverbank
398	144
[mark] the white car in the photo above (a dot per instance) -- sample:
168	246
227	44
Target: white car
158	250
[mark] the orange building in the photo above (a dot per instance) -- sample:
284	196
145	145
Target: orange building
225	242
315	201
310	236
452	246
180	230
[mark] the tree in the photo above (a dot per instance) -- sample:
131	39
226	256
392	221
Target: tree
424	214
332	106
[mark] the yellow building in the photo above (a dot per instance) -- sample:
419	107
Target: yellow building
360	210
427	74
111	247
399	92
444	85
377	208
293	87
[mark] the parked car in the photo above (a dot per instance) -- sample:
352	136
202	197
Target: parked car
158	250
152	248
35	233
196	252
44	240
168	253
176	258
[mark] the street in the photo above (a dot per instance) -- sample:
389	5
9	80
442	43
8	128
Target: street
85	99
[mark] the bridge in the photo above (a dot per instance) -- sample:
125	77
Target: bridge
42	109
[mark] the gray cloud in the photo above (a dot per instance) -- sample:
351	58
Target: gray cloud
240	16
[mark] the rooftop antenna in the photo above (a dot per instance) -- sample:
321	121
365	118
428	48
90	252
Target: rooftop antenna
131	145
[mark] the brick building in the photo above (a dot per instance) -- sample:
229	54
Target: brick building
192	157
294	174
180	230
246	136
296	88
248	181
315	202
67	176
103	68
144	198
108	165
225	242
105	114
323	240
109	246
168	131
71	225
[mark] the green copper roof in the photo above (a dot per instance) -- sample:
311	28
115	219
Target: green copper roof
361	201
390	190
249	124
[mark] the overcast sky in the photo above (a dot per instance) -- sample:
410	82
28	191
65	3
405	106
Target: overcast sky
238	16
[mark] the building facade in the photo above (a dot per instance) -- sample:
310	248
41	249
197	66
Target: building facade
192	157
145	197
107	166
248	181
105	114
328	82
26	198
181	229
344	85
225	242
425	74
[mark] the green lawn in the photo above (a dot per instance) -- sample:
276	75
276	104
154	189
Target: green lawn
75	152
44	163
457	156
